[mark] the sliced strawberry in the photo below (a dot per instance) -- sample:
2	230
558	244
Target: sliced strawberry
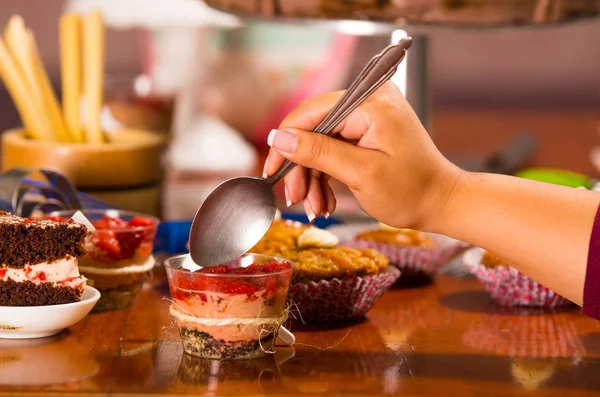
236	287
145	249
56	218
240	270
3	272
129	242
272	286
106	241
140	221
221	269
110	223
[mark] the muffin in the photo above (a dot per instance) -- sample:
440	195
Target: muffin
506	285
397	237
417	255
330	282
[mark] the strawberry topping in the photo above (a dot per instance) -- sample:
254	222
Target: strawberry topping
120	239
186	284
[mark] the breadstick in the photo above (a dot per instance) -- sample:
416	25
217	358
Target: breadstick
93	71
17	42
17	87
48	96
70	62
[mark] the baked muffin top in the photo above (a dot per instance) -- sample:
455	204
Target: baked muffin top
281	237
314	261
314	264
399	237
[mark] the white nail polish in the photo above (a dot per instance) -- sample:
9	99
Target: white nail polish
271	137
264	174
288	202
309	211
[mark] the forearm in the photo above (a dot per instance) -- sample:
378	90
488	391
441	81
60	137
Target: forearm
542	230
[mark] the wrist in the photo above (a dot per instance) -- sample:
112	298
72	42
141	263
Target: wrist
447	196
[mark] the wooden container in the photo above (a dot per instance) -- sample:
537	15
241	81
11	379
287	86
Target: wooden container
125	173
131	159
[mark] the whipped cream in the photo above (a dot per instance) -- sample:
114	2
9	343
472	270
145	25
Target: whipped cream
317	238
60	272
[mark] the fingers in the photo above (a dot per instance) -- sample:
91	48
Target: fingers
328	196
314	202
295	186
308	115
341	160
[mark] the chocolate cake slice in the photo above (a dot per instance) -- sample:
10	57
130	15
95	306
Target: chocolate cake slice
39	261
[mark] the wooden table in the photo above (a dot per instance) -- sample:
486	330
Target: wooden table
442	339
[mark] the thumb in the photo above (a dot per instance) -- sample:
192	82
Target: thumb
341	160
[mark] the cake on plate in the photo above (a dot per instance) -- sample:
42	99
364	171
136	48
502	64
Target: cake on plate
39	261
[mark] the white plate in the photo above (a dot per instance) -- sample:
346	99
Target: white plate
22	322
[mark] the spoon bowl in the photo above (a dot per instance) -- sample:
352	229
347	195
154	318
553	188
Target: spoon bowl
234	217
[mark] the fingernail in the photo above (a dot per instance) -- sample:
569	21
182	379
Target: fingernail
309	211
283	140
288	202
326	214
264	174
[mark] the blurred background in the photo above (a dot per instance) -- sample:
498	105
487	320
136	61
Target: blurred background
215	84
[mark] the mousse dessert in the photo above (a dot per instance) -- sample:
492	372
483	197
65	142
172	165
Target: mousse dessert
119	254
229	311
38	261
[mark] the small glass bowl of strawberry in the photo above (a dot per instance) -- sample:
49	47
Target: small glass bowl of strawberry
119	254
229	312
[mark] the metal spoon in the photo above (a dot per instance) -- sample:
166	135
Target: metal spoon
238	213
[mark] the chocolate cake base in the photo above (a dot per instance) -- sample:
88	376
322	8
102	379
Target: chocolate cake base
24	242
202	344
26	293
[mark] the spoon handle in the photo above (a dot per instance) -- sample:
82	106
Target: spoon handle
375	73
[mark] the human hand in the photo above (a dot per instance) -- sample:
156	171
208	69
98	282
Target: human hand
395	171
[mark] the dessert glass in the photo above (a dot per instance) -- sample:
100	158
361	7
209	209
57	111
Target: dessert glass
230	315
119	254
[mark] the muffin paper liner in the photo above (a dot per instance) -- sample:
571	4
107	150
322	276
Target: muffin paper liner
410	259
509	287
340	299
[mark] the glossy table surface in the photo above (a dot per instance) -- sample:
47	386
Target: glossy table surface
442	339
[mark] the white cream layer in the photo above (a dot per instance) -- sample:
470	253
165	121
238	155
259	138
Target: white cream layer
61	272
145	266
